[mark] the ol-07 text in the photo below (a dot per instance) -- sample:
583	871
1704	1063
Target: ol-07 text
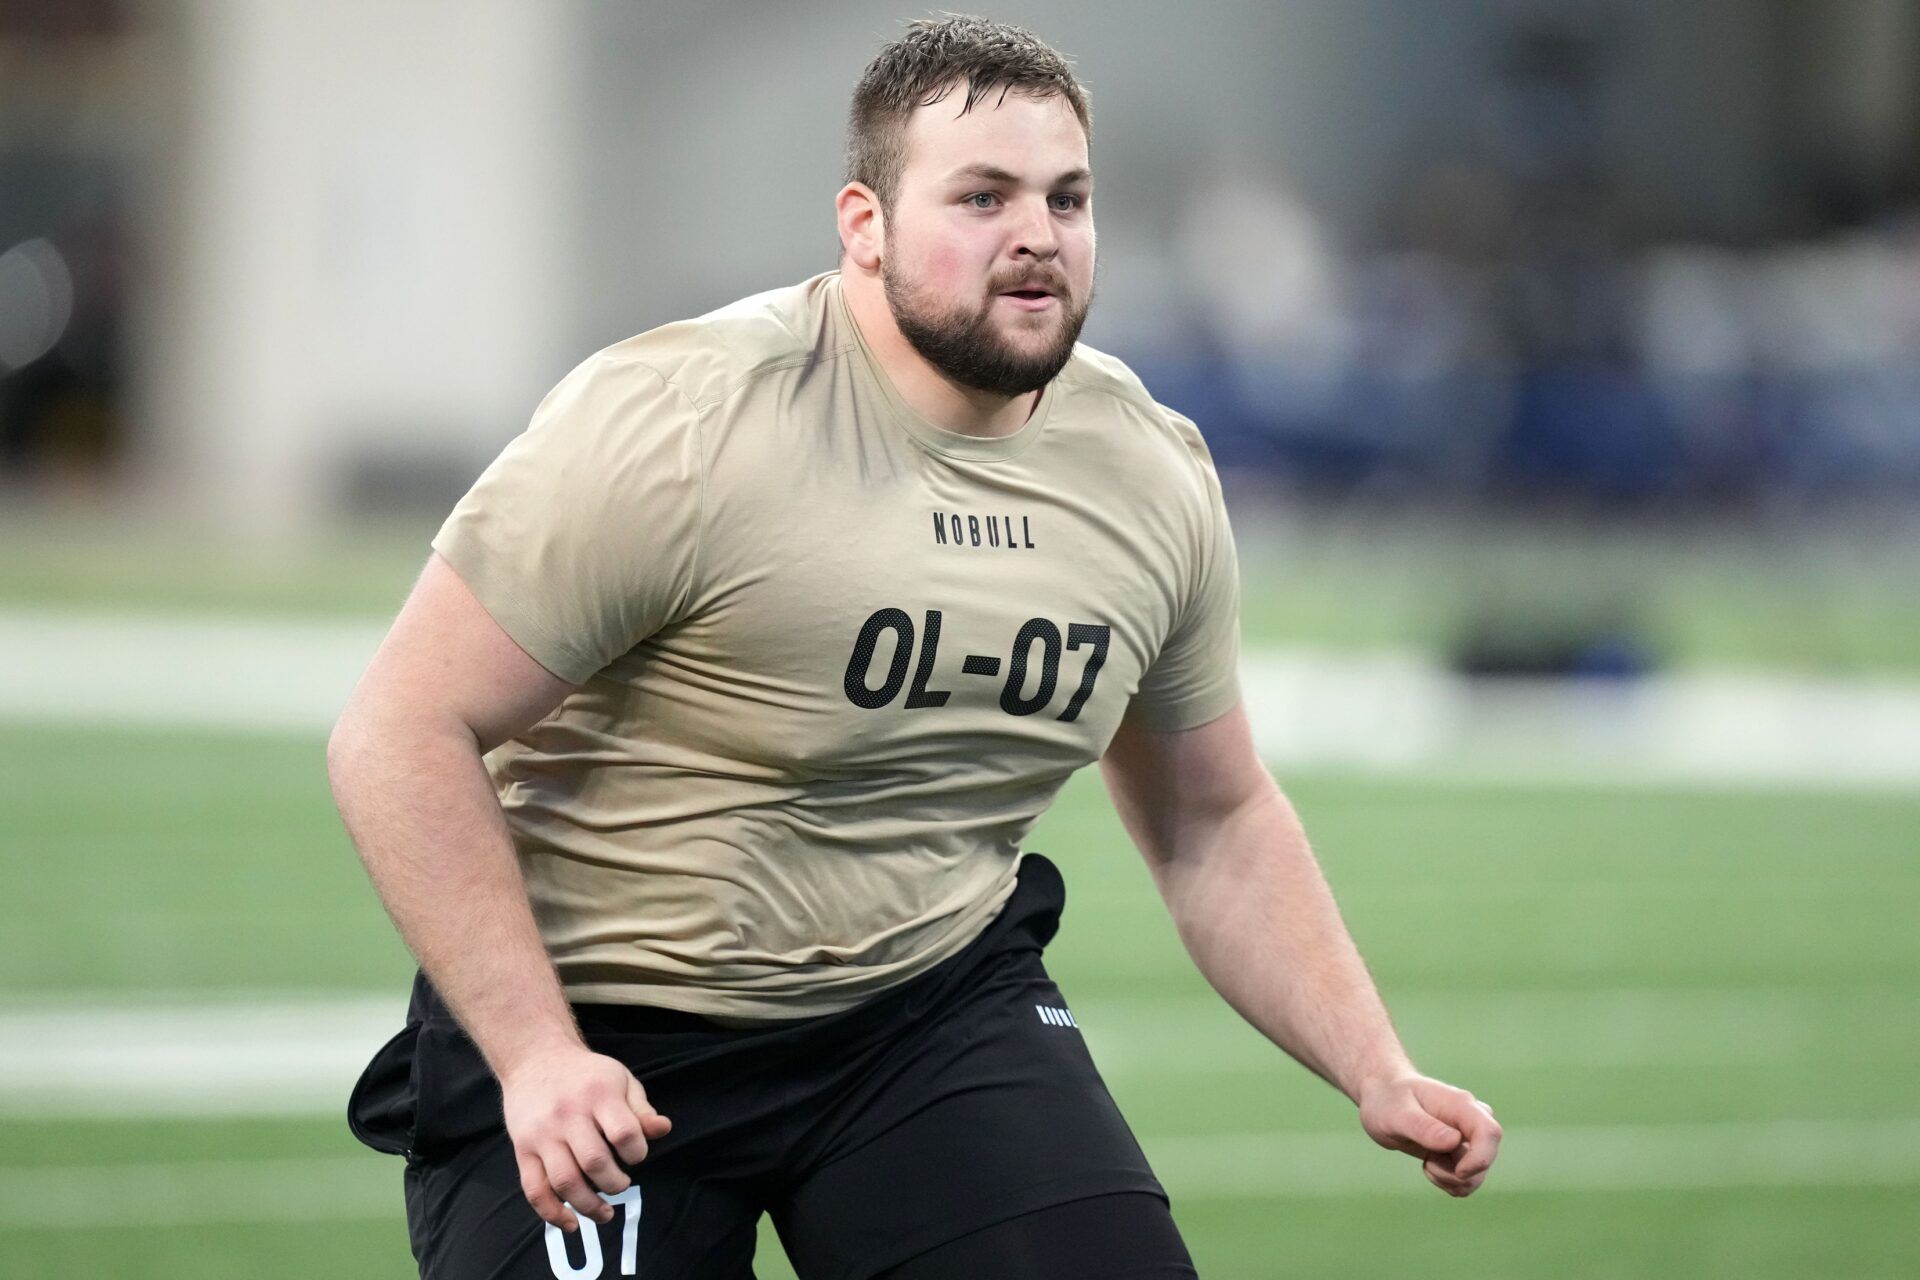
1015	699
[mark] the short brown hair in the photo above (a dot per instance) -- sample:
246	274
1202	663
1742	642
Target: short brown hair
922	67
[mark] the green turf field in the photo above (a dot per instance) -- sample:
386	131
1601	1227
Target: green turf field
1695	1011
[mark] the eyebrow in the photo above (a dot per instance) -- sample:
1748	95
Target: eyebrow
993	173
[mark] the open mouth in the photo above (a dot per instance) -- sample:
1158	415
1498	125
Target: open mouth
1029	299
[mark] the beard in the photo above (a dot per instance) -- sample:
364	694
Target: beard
963	343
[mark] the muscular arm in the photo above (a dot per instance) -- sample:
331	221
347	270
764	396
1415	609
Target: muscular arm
1230	858
446	686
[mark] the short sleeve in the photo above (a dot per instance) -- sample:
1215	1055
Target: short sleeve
1196	677
582	538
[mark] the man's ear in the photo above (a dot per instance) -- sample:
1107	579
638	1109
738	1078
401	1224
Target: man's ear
863	225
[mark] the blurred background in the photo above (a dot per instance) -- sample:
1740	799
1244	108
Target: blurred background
1562	362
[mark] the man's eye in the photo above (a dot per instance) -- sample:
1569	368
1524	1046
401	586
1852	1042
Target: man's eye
1065	203
979	196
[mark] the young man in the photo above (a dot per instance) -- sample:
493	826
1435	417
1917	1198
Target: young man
695	768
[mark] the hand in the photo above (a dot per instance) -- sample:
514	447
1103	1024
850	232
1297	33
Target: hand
565	1107
1451	1132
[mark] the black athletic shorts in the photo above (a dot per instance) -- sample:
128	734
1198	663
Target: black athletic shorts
960	1099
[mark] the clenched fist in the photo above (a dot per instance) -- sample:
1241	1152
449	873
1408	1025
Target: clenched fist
1452	1133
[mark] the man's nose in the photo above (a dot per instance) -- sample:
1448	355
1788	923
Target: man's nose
1036	235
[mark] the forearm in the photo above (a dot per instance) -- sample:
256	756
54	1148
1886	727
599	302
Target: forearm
422	812
1254	911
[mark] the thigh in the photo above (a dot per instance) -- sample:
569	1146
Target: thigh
987	1107
1129	1236
468	1218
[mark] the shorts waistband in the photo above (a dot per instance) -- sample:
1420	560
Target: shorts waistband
1038	896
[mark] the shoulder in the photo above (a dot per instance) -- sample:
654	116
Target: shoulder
1104	385
707	358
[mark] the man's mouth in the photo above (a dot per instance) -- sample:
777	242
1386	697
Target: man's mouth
1030	297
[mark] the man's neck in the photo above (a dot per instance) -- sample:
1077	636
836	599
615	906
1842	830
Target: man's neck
927	391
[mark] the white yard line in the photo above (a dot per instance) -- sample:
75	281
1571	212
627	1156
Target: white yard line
1577	1158
199	1193
299	1057
172	1057
1680	1157
1402	713
157	669
1392	713
1533	1030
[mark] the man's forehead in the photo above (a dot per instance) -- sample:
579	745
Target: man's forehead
1017	134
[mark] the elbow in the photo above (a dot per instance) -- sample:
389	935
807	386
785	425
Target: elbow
1254	825
355	737
372	739
344	749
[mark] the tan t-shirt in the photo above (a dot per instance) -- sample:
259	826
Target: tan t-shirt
834	660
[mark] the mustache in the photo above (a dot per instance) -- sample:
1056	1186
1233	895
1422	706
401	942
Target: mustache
1052	283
